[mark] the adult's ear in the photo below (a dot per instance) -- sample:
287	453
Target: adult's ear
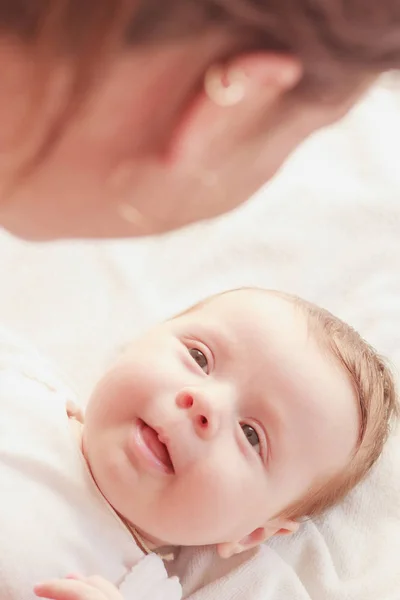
278	526
232	97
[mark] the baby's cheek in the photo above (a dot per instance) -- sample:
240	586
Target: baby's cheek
240	493
216	487
119	395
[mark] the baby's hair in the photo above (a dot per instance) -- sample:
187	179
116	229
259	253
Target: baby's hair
375	390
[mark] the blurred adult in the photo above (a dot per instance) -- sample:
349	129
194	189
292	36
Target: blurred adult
130	117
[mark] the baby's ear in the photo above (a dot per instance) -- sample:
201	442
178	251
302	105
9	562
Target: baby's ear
279	526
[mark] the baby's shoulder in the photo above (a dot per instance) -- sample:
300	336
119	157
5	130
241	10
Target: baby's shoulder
27	377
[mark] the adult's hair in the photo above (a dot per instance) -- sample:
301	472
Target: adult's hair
331	37
339	42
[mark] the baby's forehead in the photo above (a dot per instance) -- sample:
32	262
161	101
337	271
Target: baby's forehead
255	321
259	308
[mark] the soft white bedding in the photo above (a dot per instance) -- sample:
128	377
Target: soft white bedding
328	228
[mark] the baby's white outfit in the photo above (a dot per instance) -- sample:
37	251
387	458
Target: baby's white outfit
53	519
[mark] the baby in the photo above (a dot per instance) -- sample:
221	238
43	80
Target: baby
225	426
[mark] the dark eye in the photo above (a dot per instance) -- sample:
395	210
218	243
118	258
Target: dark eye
199	358
251	436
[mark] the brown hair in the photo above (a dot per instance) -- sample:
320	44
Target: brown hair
375	389
362	35
339	42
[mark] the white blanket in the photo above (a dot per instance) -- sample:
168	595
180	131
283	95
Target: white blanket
328	228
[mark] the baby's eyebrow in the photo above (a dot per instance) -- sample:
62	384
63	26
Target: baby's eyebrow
273	424
218	338
272	407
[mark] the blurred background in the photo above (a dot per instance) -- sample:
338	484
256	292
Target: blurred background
327	228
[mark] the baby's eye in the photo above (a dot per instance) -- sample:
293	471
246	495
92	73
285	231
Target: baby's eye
200	359
251	436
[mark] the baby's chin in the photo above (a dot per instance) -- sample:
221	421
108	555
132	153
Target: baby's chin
113	476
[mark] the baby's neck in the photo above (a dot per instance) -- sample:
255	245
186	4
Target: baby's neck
147	543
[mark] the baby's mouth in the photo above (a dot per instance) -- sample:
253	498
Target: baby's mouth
160	451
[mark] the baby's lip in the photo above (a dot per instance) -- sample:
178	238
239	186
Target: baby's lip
180	445
164	439
162	454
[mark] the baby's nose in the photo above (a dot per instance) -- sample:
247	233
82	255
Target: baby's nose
204	418
184	400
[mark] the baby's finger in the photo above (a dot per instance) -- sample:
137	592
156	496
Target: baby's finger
68	589
108	589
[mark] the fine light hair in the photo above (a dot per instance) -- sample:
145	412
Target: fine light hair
375	389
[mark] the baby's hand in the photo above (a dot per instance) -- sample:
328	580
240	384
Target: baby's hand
78	588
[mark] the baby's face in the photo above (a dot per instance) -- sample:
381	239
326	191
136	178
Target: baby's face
251	410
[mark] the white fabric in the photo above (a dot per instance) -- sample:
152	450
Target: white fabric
53	519
328	229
